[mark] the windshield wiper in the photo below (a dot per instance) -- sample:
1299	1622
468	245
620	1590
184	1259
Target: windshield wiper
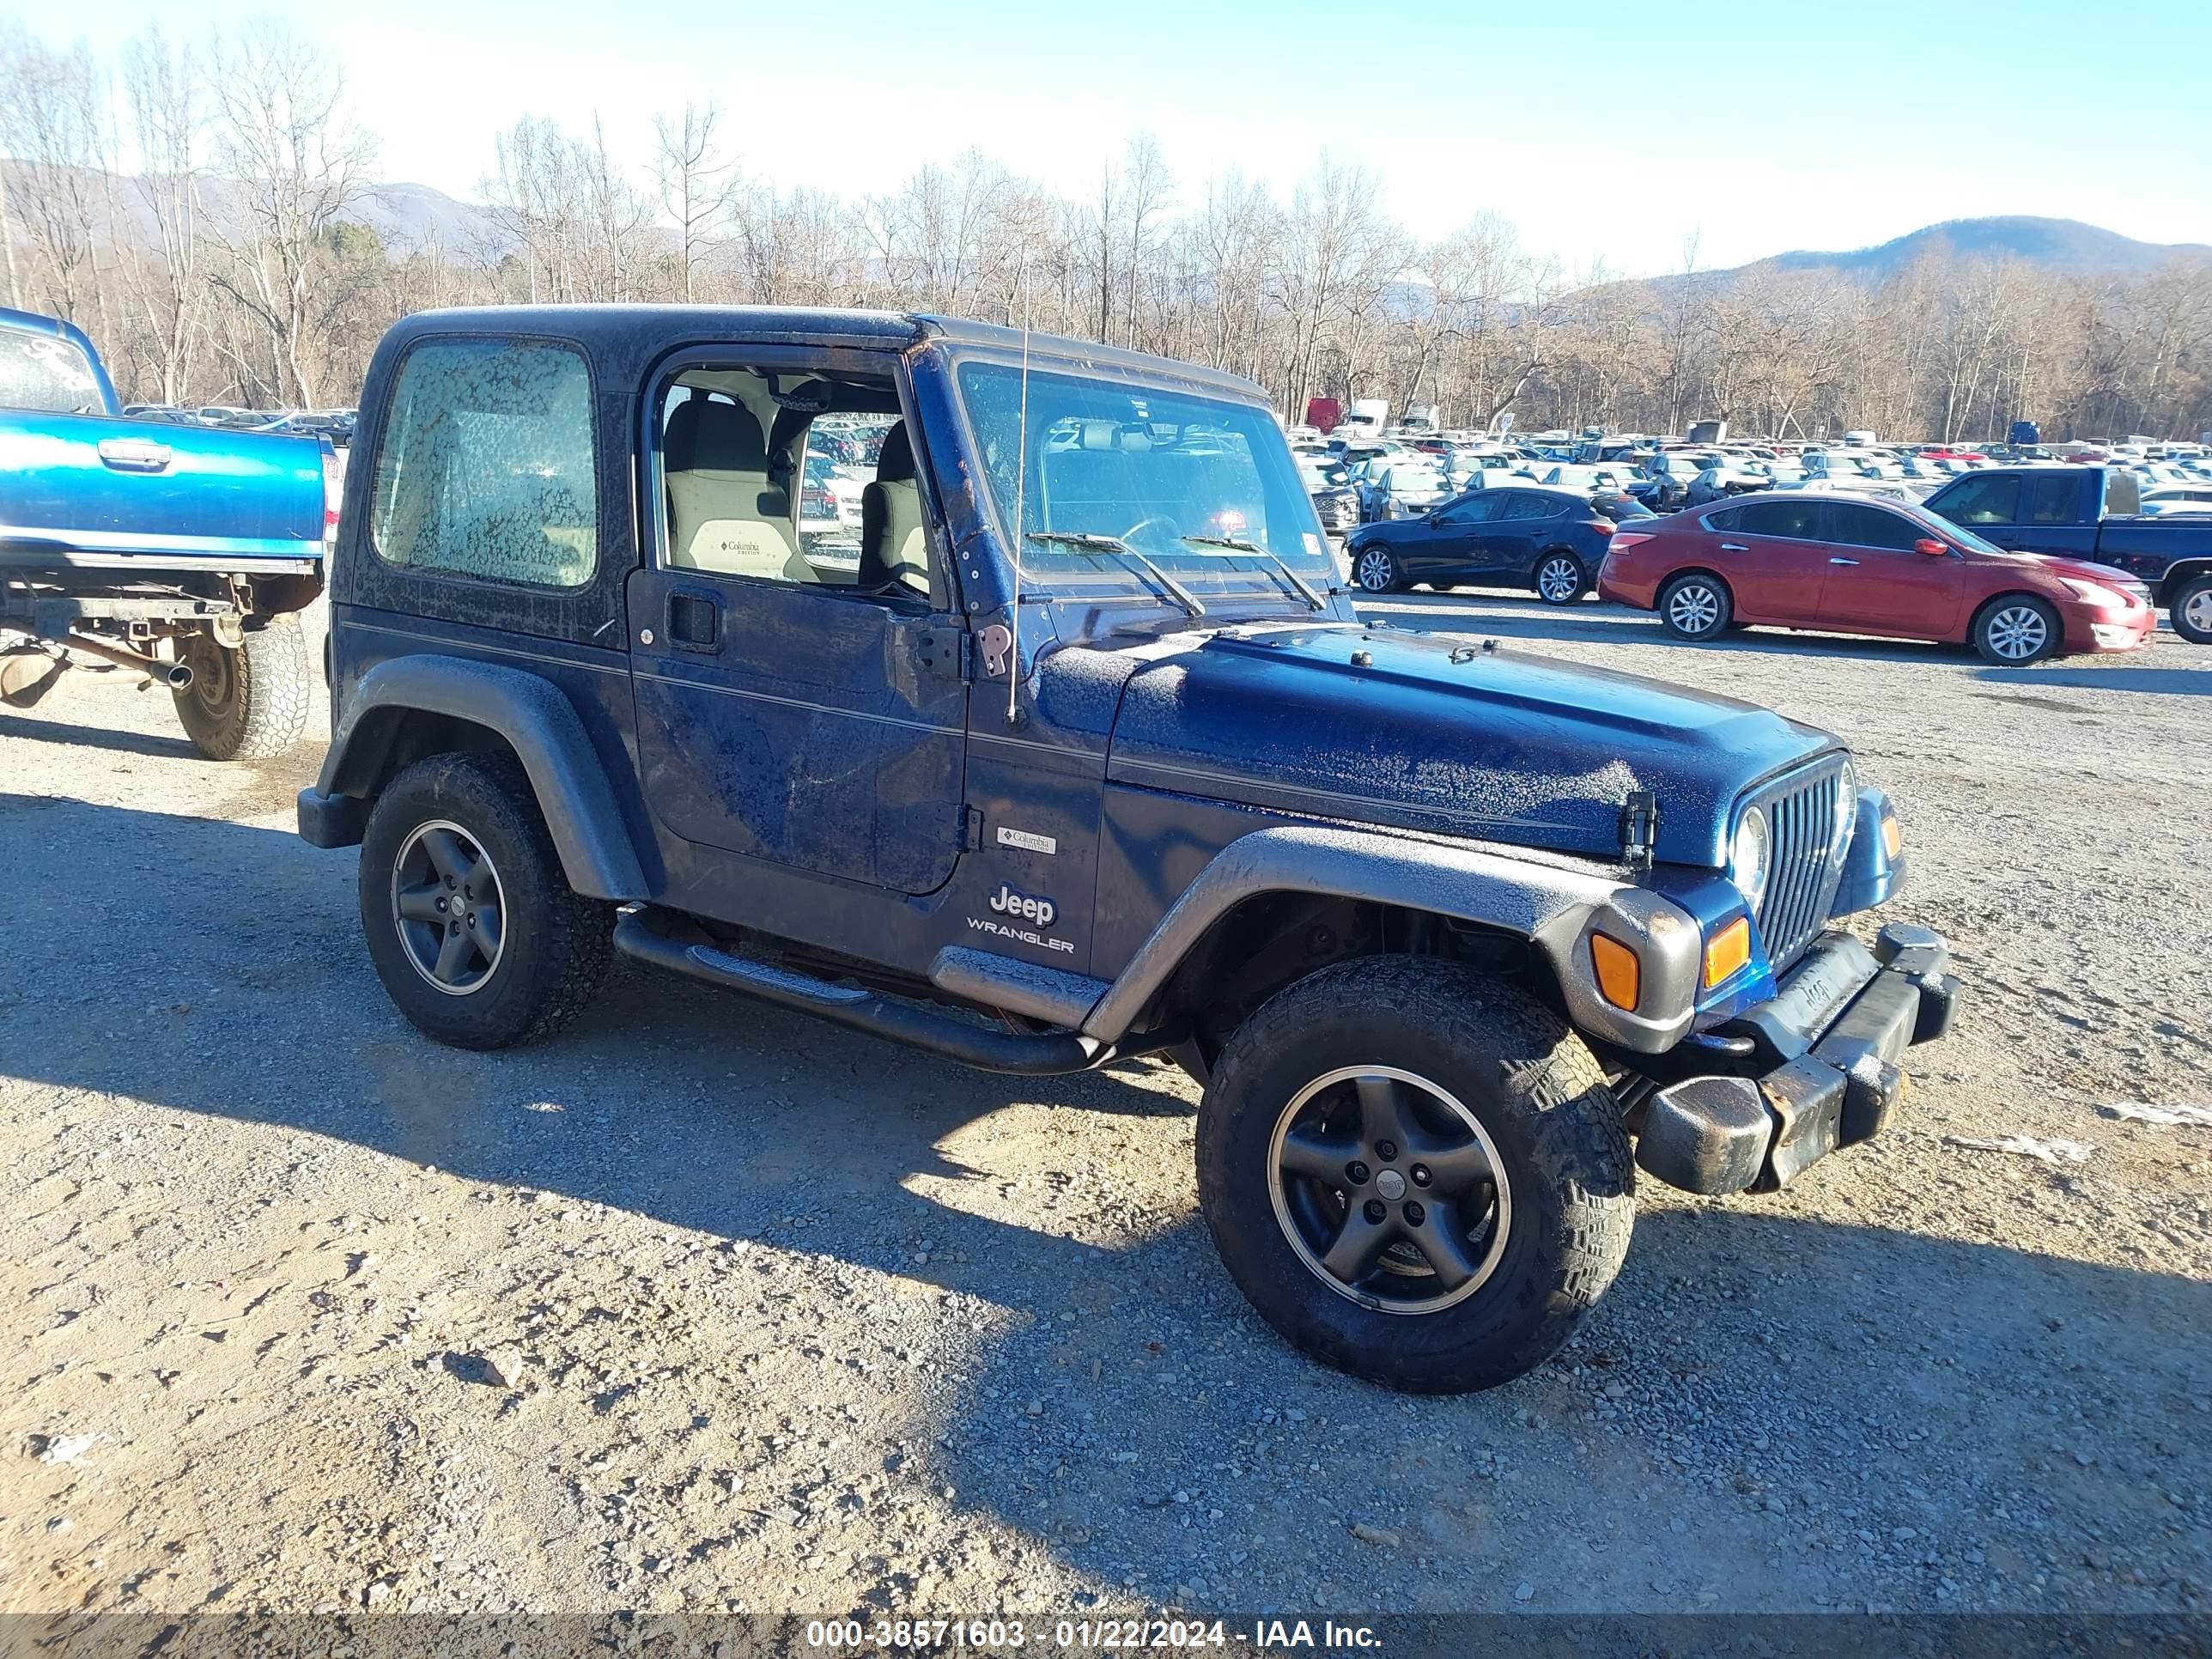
1120	550
1282	565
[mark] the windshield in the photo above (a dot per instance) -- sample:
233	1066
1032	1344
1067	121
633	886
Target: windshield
1936	523
1153	466
42	372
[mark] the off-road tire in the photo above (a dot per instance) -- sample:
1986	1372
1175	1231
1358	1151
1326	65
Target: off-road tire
2196	592
249	703
1542	1099
558	944
1718	618
1990	625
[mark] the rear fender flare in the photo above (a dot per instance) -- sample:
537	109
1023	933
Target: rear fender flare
1555	907
535	718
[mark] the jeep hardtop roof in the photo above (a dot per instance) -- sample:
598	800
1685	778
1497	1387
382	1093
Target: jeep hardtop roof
626	339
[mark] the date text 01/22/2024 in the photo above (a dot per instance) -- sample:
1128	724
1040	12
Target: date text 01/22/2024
1088	1635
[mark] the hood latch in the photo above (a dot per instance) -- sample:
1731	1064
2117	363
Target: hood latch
1639	829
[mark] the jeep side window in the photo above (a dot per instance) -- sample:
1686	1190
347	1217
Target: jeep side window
487	467
766	474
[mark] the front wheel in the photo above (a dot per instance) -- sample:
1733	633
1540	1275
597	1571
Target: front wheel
1414	1174
2016	631
1374	569
1696	606
247	702
2191	610
1560	579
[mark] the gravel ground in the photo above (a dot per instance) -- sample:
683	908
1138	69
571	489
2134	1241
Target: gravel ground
704	1305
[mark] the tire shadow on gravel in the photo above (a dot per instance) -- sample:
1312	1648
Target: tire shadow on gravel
96	737
1764	1378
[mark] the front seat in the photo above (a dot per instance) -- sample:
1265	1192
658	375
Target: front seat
893	546
726	514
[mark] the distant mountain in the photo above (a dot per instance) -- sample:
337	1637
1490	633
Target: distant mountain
2064	246
411	216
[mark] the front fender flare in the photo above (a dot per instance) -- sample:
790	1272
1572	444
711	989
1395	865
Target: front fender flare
536	720
1555	907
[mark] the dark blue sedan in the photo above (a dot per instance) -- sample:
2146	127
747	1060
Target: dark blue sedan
1552	541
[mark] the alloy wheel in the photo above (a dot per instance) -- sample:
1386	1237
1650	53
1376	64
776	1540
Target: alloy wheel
1694	608
2198	611
2019	633
448	907
1389	1189
1559	581
1374	571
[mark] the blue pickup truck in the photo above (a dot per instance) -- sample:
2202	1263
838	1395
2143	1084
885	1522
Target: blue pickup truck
2092	512
182	553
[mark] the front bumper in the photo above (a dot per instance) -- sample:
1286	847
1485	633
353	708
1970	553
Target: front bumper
1819	1067
2088	630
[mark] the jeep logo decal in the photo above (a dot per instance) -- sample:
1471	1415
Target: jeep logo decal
1007	903
1031	910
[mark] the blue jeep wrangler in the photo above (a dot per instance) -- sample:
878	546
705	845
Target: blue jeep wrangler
1072	750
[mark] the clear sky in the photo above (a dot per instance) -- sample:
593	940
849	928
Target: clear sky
1612	132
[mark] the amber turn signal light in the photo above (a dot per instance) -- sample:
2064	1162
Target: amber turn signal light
1727	951
1892	838
1620	975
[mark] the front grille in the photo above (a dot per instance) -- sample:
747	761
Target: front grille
1800	814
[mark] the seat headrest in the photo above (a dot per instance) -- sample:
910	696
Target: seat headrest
705	433
895	461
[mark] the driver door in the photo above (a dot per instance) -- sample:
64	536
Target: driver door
790	707
1877	583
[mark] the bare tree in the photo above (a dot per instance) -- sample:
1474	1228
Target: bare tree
299	163
167	287
697	185
53	125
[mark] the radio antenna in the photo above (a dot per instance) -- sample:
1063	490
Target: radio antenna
1021	533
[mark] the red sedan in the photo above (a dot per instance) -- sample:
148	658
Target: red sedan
1847	565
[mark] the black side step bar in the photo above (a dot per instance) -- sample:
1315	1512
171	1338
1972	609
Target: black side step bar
1039	1053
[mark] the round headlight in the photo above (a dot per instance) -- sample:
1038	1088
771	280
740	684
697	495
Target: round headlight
1752	858
1847	804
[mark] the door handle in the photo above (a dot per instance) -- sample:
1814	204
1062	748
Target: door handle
1734	547
134	455
1850	561
694	621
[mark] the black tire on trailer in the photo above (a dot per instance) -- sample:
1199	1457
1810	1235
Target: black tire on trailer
1415	1173
248	703
470	920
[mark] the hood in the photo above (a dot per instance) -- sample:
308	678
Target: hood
2082	571
1443	736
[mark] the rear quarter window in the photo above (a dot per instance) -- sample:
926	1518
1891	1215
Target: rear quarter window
47	374
487	468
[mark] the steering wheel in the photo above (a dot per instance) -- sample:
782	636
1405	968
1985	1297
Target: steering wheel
1162	520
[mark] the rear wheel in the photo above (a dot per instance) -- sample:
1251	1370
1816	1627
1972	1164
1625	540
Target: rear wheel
1560	579
473	928
2191	610
1415	1174
1375	569
1696	606
2016	631
250	701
